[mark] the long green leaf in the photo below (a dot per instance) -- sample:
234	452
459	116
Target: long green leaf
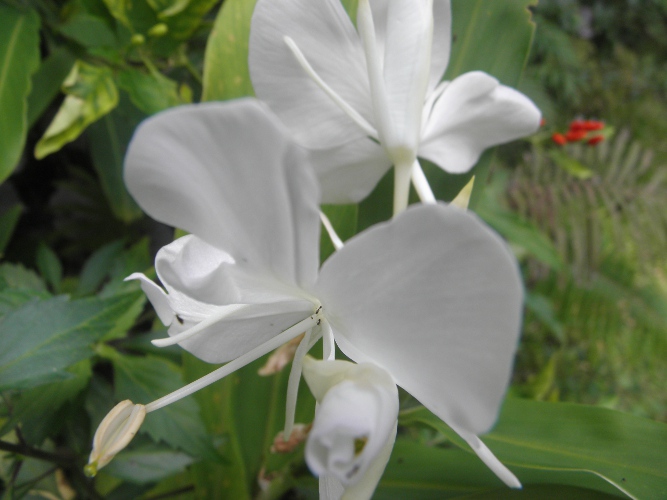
552	438
19	59
226	74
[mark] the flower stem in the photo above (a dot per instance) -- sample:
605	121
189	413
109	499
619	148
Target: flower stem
234	365
420	182
402	174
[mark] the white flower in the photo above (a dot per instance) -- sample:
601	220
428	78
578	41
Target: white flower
355	424
366	98
434	297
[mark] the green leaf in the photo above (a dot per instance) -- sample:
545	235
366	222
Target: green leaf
17	277
145	379
147	464
491	36
89	30
97	267
571	165
151	92
91	94
521	233
37	409
109	138
343	218
8	221
49	267
571	444
19	59
46	82
226	74
41	338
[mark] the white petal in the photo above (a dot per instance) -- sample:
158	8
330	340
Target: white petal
348	173
242	329
407	64
324	33
330	488
473	113
157	297
442	35
227	173
357	404
442	41
435	298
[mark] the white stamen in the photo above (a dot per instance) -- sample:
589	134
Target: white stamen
293	383
402	175
420	182
328	343
491	461
234	365
199	327
333	95
335	239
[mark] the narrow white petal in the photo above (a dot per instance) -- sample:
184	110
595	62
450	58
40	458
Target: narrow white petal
157	296
325	35
473	113
435	298
330	488
227	173
442	41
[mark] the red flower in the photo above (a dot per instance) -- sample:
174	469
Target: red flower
595	140
559	139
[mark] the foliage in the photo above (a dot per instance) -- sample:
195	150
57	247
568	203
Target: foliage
78	76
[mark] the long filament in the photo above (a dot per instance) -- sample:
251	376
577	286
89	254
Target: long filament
234	365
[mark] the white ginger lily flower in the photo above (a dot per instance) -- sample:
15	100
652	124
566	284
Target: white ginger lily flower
366	98
434	297
354	428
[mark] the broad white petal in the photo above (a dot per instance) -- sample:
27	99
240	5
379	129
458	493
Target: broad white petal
325	35
407	64
473	113
435	298
348	173
227	173
358	408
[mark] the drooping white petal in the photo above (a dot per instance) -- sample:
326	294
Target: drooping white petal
473	113
437	303
227	173
349	172
325	35
355	423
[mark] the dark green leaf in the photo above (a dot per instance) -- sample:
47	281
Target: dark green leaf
97	267
151	92
40	339
145	379
19	59
109	138
147	464
8	221
49	267
46	82
89	31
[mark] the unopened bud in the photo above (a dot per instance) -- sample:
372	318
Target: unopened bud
114	433
138	39
158	30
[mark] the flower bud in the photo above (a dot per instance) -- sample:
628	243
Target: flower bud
355	423
114	433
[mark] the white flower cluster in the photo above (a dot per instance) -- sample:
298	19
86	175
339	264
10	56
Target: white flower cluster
430	301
